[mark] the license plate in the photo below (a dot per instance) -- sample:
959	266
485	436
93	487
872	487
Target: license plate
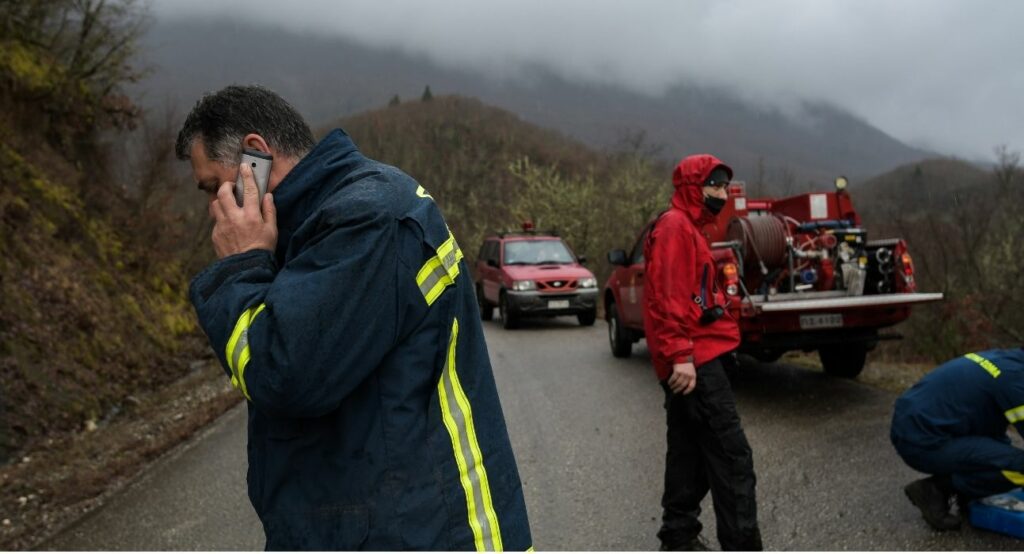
821	321
557	304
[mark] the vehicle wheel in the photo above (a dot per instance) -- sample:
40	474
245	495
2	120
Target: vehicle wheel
587	318
486	309
508	319
618	336
845	360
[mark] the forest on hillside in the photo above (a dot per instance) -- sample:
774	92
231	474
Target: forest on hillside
964	226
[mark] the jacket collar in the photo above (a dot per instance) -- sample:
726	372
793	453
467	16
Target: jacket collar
316	175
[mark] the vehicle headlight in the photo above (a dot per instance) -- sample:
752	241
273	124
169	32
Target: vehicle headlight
524	285
588	283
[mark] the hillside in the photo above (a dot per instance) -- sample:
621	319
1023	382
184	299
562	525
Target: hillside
963	227
489	171
929	186
94	321
460	150
330	77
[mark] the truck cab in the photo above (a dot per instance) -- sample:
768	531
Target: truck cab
530	273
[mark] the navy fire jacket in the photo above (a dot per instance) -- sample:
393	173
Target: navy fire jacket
374	420
975	395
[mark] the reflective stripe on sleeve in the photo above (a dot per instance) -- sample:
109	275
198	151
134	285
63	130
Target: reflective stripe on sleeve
989	366
237	351
422	192
458	419
1014	477
1015	414
440	271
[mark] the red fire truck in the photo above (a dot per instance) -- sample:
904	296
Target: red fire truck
799	273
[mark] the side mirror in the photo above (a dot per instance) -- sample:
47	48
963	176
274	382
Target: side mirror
492	262
581	259
617	257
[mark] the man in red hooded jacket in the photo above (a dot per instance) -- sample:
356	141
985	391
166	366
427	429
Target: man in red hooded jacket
691	340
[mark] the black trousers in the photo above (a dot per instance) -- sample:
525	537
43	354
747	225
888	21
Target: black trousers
708	451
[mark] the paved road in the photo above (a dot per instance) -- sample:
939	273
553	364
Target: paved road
588	430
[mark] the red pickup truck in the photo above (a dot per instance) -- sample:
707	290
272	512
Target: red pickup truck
799	273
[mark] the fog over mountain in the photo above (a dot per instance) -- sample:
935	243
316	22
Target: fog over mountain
942	75
330	77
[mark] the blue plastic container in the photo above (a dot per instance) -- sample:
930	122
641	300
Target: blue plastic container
1002	513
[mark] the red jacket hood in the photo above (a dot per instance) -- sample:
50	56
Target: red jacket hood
687	178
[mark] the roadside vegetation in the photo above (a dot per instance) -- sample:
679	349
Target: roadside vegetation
964	226
93	268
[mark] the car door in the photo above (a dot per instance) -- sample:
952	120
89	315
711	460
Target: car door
631	290
491	274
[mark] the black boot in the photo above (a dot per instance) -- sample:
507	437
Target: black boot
932	498
692	545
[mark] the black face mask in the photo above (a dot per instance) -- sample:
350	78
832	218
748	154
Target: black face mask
714	205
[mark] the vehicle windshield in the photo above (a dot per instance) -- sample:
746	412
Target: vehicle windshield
537	252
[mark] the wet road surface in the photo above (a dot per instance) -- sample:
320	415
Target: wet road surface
588	431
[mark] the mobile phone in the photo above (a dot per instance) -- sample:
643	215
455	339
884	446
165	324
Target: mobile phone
259	162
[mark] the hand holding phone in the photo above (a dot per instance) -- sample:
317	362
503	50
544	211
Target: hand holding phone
260	163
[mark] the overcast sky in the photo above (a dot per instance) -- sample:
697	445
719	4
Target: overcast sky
941	74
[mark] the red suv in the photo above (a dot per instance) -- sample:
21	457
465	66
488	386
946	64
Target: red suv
533	274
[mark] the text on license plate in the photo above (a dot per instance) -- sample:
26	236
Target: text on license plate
821	321
557	304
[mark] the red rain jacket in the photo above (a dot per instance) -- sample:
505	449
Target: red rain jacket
676	255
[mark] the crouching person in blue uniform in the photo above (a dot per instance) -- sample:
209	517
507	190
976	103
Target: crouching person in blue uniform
953	425
341	309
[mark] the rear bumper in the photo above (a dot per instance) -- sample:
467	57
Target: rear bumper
780	325
536	303
844	302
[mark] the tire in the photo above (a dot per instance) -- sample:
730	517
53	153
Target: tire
618	336
509	320
844	360
587	318
486	308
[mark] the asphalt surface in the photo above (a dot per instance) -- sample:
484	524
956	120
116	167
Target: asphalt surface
588	431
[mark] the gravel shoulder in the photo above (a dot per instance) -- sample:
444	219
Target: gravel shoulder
52	485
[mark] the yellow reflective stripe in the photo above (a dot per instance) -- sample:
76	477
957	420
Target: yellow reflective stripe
422	192
989	366
1014	477
1015	414
237	351
458	420
440	271
530	549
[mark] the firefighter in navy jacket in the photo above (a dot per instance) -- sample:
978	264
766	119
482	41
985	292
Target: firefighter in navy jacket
952	424
374	421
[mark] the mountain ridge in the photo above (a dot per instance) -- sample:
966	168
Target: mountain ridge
328	78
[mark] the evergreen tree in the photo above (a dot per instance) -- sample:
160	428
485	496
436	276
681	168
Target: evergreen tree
395	100
427	96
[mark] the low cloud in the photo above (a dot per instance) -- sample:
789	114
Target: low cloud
946	75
